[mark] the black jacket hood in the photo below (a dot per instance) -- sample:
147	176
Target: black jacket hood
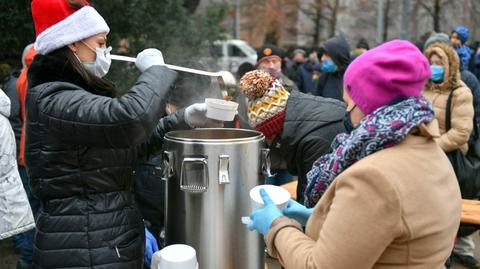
338	48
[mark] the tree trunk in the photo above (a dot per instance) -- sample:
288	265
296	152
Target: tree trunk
436	16
333	22
386	20
316	34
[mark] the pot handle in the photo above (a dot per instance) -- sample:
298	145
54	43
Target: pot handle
194	184
223	166
167	165
266	162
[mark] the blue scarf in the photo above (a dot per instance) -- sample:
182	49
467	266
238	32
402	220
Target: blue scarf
464	55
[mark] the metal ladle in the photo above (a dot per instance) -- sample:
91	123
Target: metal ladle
225	79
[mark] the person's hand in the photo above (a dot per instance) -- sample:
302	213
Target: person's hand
262	218
196	117
151	246
298	212
148	58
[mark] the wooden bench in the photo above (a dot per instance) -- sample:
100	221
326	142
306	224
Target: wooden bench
471	211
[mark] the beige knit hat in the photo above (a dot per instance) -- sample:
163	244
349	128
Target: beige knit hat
267	102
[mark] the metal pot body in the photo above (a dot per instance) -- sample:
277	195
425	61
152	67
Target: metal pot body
209	174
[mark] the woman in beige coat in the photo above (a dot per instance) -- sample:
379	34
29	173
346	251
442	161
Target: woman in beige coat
392	199
444	63
445	79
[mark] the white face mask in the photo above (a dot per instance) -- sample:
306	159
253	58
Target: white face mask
102	63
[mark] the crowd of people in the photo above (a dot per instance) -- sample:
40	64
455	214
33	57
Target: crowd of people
367	132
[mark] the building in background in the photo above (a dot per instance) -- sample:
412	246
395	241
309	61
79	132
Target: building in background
289	23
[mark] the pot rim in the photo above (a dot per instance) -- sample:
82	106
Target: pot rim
182	136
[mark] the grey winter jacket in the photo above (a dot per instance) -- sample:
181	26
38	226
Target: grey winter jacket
15	212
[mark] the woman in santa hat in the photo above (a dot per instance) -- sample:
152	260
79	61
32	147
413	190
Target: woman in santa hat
83	140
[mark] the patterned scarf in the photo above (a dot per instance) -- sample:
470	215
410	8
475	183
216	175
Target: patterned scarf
385	127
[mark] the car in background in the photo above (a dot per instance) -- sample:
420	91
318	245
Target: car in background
231	53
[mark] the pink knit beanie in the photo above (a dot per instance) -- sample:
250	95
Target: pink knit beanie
392	70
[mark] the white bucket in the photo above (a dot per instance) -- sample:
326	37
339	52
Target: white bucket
178	257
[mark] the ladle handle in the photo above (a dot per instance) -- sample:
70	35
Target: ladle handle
173	67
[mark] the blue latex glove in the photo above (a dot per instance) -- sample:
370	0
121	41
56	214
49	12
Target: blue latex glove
298	212
151	246
262	218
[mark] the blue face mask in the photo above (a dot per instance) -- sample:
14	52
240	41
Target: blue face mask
437	73
329	67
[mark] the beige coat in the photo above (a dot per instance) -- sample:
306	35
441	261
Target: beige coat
462	100
397	208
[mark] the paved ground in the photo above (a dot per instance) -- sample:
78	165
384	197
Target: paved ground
8	257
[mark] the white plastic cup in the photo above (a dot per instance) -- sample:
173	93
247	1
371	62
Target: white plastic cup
221	110
178	257
279	196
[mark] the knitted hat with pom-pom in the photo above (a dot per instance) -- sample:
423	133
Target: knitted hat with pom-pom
267	102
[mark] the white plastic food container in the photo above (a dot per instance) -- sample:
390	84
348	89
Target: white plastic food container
222	110
177	257
279	196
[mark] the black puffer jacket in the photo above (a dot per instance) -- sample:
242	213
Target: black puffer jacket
81	150
311	123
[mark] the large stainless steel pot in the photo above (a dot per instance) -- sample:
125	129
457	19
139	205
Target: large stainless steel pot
209	174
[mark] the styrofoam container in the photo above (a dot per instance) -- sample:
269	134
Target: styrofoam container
279	196
219	109
178	257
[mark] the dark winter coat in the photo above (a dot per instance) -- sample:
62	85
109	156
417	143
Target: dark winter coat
287	83
311	123
150	195
331	85
81	151
472	82
10	89
476	65
303	77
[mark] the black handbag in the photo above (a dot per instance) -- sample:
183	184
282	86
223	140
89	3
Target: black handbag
466	167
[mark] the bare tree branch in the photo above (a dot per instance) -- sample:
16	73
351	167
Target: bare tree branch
427	8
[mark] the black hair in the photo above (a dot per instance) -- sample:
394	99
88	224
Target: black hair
95	84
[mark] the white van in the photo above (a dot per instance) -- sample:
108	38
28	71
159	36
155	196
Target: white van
232	53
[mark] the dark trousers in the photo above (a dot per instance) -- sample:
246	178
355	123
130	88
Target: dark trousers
24	241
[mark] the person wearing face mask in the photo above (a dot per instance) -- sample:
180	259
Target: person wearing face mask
300	126
83	141
386	197
444	63
335	60
466	76
458	39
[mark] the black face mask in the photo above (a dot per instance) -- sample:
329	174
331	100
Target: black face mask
347	122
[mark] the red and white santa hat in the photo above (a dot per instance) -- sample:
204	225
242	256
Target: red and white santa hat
62	22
